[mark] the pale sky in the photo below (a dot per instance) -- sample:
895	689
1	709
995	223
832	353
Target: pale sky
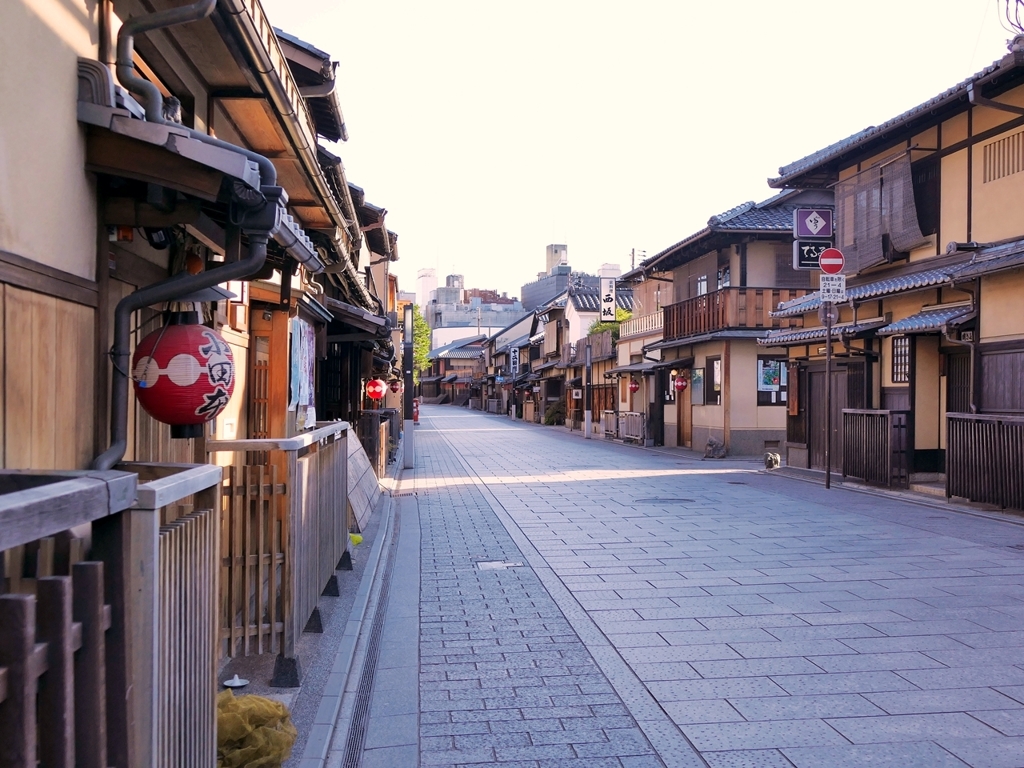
489	130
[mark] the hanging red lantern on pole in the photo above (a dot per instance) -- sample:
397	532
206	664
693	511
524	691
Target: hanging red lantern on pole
634	386
184	374
680	383
395	386
376	388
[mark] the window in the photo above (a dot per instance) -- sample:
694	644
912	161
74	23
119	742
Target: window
772	380
900	359
926	194
876	213
702	285
713	393
724	278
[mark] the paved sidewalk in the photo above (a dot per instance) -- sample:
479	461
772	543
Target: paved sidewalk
582	603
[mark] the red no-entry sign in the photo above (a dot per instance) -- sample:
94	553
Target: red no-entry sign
832	261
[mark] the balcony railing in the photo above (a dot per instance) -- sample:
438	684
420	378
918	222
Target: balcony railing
285	528
985	459
730	308
876	446
642	326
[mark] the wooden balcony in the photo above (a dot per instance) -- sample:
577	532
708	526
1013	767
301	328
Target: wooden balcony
985	459
642	326
730	309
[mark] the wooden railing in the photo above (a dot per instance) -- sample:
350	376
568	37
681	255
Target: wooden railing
128	683
733	308
985	459
645	324
632	426
610	424
876	446
283	532
601	346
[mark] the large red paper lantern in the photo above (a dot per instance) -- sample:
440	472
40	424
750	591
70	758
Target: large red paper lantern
634	385
184	375
680	383
375	389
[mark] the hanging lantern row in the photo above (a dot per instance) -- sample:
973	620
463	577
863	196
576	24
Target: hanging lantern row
183	374
376	389
634	386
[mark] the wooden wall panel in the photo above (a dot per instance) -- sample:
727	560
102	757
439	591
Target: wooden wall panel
48	375
18	379
44	382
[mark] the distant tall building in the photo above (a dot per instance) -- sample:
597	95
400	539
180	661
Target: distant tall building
557	256
426	284
451	292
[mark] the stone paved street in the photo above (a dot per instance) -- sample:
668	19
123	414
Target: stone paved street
584	603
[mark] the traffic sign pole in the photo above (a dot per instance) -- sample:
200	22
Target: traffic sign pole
828	394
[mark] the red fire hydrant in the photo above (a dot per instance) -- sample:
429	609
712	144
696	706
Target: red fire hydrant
415	410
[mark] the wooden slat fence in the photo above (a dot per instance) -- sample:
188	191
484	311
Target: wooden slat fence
186	717
985	459
875	446
284	530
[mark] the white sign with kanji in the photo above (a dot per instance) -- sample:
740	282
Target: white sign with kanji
607	299
833	288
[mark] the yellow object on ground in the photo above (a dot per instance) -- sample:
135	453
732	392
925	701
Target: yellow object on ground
252	732
356	539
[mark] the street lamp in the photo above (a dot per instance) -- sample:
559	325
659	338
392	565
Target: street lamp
407	369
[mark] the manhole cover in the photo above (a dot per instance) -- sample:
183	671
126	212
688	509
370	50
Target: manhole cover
496	565
663	501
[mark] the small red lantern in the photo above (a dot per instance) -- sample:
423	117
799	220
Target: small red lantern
395	386
375	389
634	385
680	383
184	375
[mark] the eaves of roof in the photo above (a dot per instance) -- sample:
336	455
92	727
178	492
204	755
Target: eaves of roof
783	338
930	320
932	110
984	261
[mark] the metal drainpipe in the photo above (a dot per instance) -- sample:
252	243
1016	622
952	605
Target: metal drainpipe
181	284
166	290
147	92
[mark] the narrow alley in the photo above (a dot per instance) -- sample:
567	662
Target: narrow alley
584	603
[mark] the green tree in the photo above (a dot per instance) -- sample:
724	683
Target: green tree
420	343
598	326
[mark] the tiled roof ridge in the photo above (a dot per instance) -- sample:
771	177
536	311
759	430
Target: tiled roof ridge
806	163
